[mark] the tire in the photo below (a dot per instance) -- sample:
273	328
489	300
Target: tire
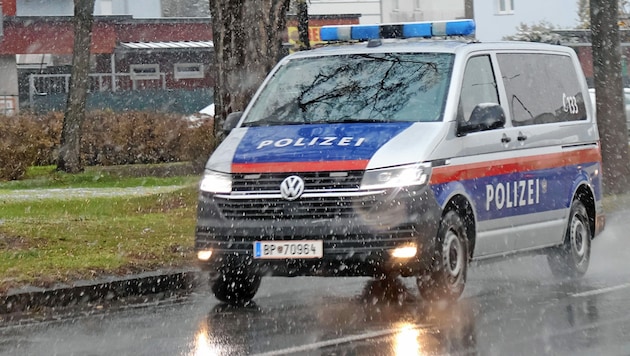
446	278
236	288
571	259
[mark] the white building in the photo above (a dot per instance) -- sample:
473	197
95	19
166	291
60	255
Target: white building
384	11
370	10
135	8
421	10
496	19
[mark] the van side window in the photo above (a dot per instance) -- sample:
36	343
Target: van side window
478	86
541	88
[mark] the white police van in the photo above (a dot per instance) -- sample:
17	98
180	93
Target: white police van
401	155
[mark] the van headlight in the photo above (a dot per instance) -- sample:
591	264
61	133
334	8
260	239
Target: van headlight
216	182
396	177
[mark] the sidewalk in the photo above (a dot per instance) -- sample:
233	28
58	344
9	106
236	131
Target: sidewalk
7	195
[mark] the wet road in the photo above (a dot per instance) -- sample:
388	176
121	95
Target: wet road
513	308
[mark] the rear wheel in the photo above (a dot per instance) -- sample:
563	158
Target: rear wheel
447	277
571	259
236	287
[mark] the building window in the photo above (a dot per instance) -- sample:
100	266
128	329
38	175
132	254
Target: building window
395	5
505	6
417	4
144	71
188	71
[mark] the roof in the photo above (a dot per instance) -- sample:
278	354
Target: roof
165	45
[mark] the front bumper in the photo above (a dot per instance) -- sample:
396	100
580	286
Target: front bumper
356	244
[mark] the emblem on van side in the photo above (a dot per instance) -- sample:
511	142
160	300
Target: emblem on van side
292	187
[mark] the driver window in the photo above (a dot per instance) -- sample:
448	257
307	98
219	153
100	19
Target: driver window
478	86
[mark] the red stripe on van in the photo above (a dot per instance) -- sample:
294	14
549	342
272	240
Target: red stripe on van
447	174
268	167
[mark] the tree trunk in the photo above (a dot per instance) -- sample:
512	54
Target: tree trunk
69	159
609	94
302	15
247	38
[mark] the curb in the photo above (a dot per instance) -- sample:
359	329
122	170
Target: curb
158	284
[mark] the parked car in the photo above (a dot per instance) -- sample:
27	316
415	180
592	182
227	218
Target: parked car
626	95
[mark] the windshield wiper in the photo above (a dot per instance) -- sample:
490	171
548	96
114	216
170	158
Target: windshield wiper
277	122
362	121
271	122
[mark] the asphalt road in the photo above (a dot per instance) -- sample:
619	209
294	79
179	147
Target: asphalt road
508	308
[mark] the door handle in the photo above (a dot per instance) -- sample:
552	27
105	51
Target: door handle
505	139
521	137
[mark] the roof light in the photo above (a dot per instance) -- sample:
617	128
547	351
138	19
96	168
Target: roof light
401	30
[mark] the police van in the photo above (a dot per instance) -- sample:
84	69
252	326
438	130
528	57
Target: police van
404	150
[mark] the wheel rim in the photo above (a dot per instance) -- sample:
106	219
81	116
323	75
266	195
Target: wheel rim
578	236
453	259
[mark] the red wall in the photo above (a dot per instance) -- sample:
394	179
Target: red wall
9	7
55	35
25	35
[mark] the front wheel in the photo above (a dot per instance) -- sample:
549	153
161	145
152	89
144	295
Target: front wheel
571	259
236	287
447	277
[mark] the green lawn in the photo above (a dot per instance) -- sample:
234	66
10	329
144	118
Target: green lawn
47	241
98	177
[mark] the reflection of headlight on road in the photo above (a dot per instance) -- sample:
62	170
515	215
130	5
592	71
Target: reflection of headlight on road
203	346
406	341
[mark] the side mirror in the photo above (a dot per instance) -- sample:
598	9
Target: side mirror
485	116
231	121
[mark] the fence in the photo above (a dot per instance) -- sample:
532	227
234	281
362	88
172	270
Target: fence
47	84
8	104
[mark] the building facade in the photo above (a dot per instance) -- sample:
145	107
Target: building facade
496	19
421	10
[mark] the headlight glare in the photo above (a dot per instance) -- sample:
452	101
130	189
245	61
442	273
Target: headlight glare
395	177
216	182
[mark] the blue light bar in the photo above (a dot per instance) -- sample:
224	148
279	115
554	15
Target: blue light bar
401	30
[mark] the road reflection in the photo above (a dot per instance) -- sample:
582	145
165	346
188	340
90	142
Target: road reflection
385	319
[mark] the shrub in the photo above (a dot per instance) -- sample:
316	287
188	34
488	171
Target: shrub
198	144
21	141
108	138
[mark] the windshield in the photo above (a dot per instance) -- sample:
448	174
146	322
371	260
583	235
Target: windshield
382	87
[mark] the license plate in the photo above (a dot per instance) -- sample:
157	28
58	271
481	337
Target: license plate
289	249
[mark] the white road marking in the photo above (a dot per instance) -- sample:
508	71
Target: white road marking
333	342
600	291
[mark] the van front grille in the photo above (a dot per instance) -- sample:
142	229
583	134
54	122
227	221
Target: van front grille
305	208
320	181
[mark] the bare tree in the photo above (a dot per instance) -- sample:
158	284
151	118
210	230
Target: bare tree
302	15
609	89
69	159
247	39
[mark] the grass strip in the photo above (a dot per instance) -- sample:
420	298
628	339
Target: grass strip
56	241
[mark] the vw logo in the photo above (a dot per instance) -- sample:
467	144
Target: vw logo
292	188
